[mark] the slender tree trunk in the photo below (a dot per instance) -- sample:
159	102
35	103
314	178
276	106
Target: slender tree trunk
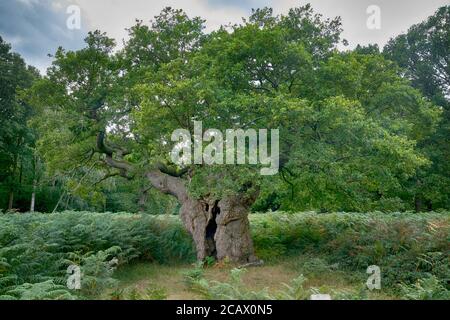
33	195
418	203
59	201
11	191
11	200
66	205
418	199
20	171
76	188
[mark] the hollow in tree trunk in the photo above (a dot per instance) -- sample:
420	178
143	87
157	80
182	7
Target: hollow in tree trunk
219	227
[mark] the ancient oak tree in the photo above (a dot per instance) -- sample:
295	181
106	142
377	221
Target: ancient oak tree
117	108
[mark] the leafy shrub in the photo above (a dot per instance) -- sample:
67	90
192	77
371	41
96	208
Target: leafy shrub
156	293
97	269
151	293
360	294
425	289
406	246
46	290
192	276
313	266
233	290
35	248
295	290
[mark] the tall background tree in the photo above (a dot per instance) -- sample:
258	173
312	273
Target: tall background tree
16	137
423	53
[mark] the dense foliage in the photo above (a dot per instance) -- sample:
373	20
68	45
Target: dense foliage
423	53
17	159
407	247
36	249
359	131
40	247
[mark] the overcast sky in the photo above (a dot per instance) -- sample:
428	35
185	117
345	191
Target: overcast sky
35	28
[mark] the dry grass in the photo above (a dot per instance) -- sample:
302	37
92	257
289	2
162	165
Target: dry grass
142	276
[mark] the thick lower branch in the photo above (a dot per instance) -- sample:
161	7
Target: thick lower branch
171	171
124	167
168	184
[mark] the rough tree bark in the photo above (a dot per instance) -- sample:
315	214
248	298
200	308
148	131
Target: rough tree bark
219	227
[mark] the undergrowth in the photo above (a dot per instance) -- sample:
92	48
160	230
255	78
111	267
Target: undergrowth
412	250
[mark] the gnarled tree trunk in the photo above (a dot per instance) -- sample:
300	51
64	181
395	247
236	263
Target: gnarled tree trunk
219	227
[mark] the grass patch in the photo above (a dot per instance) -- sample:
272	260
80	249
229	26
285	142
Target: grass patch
271	276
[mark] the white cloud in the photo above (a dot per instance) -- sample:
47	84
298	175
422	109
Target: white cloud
396	16
113	16
36	27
